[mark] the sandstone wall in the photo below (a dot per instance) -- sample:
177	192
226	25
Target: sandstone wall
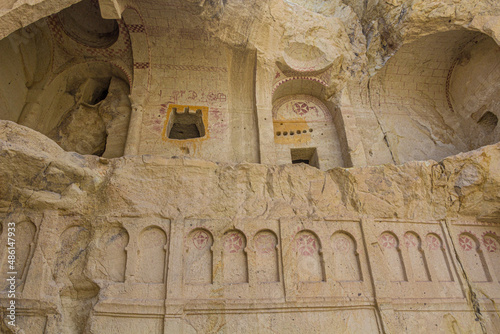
146	152
149	244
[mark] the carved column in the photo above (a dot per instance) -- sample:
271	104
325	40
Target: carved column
353	152
134	130
263	98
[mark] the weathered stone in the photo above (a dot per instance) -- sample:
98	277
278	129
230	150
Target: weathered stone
250	167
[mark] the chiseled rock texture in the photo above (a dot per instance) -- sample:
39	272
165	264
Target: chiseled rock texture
257	166
87	265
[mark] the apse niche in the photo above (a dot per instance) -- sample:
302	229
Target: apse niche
439	96
304	128
71	79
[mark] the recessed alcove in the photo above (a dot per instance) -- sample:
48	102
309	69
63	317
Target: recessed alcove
84	24
76	93
186	124
307	155
437	96
488	121
305	126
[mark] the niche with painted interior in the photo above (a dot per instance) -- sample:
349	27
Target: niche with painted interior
393	258
185	122
304	126
309	257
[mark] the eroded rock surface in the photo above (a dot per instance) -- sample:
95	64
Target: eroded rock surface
259	166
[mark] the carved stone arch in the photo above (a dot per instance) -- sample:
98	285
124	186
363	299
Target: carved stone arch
71	261
346	262
309	257
85	109
418	260
113	254
198	258
77	289
152	255
140	53
438	259
391	250
234	257
473	258
311	86
491	244
453	91
25	238
265	243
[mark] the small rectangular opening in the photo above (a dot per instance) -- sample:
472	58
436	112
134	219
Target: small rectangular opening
185	125
308	155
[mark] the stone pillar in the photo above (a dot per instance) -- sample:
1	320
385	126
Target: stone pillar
380	283
31	110
263	98
134	130
353	152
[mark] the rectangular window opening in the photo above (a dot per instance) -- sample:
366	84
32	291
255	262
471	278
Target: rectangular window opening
186	125
308	155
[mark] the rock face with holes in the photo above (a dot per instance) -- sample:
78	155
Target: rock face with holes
260	166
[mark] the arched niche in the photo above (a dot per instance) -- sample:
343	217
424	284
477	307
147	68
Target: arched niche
152	255
25	60
309	257
198	258
437	96
492	245
474	90
266	252
83	22
25	233
85	109
346	263
304	126
68	76
113	254
438	260
418	260
389	243
234	257
71	260
473	258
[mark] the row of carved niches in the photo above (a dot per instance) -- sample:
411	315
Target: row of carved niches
256	258
478	247
413	260
418	255
127	258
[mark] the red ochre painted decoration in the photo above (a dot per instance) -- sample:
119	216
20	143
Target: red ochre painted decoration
200	239
265	243
387	241
342	244
306	245
466	243
433	242
233	242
